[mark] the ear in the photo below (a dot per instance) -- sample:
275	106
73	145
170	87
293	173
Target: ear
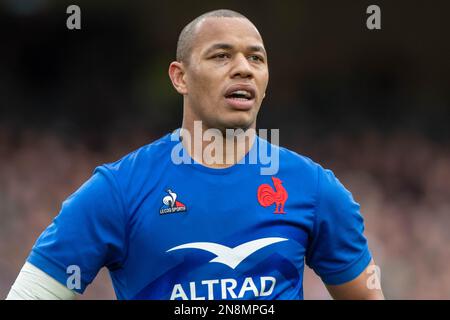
177	76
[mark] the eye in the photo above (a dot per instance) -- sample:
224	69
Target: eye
256	58
221	56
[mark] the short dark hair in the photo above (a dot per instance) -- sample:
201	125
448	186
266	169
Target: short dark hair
184	45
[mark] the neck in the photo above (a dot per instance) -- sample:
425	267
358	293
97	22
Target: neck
216	148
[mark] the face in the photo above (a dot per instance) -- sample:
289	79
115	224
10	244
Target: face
227	74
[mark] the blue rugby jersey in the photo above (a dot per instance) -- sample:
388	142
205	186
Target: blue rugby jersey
187	231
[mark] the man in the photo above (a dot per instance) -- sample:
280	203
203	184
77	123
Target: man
202	229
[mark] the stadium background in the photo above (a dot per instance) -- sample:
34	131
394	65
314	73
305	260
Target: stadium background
374	106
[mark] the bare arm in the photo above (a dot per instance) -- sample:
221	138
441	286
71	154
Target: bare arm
364	287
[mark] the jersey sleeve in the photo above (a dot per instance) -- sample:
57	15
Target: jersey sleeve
88	233
338	251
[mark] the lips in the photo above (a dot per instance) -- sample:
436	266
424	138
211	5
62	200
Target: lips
240	96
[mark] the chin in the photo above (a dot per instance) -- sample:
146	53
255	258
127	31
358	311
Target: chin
232	120
243	124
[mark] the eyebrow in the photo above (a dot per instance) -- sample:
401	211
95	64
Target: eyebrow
226	46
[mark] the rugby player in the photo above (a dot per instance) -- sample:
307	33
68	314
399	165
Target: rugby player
198	229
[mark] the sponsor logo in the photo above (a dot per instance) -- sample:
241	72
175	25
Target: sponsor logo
230	257
227	288
171	204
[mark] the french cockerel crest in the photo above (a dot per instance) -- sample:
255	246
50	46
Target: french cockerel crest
268	196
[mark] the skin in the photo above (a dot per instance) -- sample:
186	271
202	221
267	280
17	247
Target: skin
228	51
357	289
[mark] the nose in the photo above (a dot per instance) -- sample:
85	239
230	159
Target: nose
241	67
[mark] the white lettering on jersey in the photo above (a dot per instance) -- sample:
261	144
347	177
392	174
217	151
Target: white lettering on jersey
228	288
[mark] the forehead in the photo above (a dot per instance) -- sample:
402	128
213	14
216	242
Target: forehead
234	31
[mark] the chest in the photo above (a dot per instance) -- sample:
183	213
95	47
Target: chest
225	211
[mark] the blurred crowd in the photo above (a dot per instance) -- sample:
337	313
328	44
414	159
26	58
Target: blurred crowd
402	182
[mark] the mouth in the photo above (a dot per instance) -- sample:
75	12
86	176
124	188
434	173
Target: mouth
241	97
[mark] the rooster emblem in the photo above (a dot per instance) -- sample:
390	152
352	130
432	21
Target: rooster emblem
267	196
